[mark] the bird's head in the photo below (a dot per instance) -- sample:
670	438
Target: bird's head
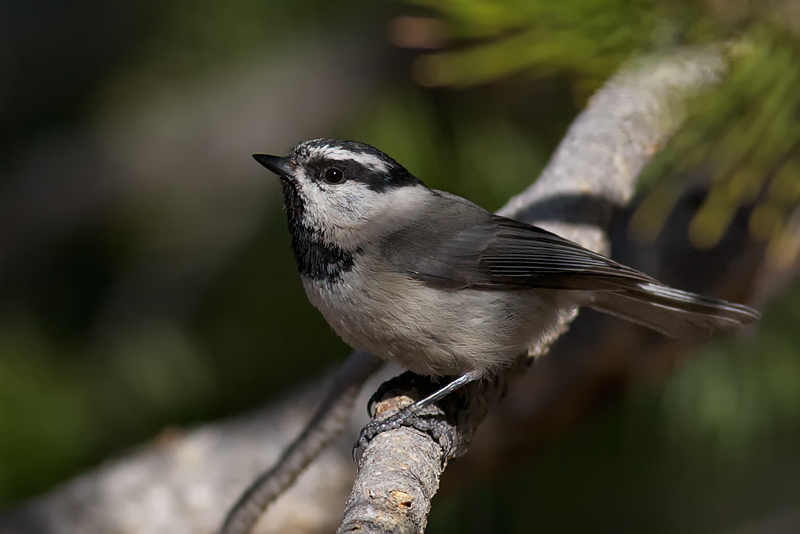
345	190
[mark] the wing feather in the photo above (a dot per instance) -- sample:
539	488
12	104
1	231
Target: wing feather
504	254
495	253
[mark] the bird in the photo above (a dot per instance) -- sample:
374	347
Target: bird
442	287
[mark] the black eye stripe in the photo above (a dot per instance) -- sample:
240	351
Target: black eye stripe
355	171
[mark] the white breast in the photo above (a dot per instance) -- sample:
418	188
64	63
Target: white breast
431	331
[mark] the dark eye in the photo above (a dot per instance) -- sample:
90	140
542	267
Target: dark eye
334	176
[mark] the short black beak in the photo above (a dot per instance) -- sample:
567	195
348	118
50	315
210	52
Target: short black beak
276	164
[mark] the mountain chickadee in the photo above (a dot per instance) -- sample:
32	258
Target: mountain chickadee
440	286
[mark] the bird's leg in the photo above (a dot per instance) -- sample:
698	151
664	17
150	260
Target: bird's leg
431	424
406	381
441	393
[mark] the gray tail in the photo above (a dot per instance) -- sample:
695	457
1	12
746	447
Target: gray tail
673	312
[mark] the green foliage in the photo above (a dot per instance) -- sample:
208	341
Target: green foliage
746	132
586	37
746	135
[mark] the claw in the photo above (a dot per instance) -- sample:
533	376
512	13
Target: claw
432	425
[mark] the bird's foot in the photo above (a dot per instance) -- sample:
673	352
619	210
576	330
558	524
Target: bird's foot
425	419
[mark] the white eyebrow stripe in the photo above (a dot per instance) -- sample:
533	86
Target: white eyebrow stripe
340	154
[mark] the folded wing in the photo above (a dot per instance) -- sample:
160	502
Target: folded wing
503	254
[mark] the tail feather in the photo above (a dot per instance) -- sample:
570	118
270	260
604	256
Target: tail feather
673	312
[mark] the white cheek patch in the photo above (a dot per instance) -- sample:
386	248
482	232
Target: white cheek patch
351	213
362	158
342	206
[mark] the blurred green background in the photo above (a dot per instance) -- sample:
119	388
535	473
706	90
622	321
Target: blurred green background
146	279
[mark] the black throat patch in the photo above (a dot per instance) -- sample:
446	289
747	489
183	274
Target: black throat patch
315	258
